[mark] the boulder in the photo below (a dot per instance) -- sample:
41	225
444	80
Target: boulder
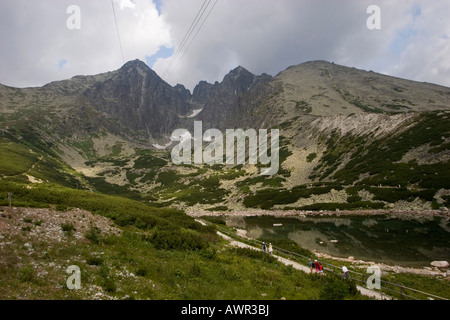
440	264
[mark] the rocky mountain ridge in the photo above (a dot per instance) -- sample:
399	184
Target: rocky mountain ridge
343	132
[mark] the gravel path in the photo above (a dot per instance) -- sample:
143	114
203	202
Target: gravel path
367	292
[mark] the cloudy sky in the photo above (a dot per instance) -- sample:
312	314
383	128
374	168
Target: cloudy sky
46	40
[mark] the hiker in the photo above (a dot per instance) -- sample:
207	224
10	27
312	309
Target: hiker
316	264
345	272
264	248
320	269
270	248
310	265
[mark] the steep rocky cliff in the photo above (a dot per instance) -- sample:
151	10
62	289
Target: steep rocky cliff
349	138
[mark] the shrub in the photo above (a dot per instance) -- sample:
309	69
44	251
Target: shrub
108	282
267	198
180	219
208	253
168	178
177	239
179	273
337	289
149	176
195	271
254	254
67	227
139	220
93	234
25	274
149	161
38	222
344	206
218	208
94	261
311	157
216	220
142	271
61	207
354	198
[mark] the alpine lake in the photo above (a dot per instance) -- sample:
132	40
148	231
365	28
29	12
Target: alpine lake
404	240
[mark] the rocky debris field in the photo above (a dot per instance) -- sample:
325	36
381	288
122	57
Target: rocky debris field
37	246
51	225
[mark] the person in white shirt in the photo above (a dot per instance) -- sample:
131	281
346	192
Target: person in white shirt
345	271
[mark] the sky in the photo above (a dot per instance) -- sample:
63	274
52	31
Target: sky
48	40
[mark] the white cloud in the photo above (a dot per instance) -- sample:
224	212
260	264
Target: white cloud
268	36
426	57
261	35
35	38
126	4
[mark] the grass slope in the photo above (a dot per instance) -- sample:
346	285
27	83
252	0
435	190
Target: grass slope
160	254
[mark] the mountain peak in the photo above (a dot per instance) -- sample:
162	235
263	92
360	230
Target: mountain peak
239	74
135	64
239	70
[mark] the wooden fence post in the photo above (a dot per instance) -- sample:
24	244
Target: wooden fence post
9	198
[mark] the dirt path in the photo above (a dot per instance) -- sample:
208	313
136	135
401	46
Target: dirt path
367	292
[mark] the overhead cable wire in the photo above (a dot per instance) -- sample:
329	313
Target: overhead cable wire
194	24
118	33
198	30
186	36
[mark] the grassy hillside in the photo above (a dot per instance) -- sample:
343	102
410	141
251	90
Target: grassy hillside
410	164
159	254
346	171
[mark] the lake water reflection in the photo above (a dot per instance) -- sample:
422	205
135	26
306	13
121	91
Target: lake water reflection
401	240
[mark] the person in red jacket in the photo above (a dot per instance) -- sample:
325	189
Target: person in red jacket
316	263
320	269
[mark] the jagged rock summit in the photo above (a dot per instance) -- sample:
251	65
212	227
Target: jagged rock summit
349	138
